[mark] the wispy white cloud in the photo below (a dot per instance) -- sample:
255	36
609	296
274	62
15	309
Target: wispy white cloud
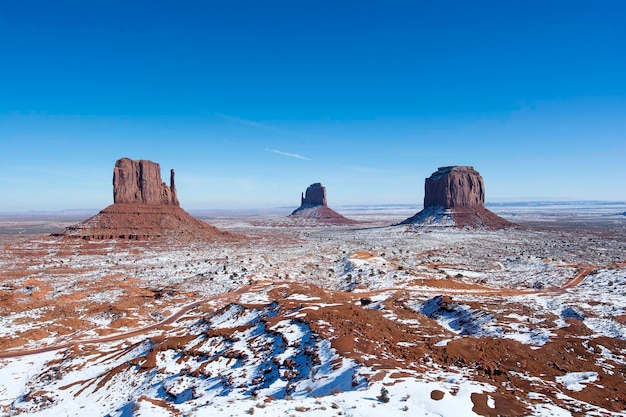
242	121
363	169
291	155
268	127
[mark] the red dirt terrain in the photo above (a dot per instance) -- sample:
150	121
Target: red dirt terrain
386	345
142	221
401	306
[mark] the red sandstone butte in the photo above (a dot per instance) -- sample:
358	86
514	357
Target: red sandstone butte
455	186
314	208
144	207
140	182
455	196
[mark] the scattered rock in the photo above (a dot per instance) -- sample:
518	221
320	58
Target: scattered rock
437	395
366	301
570	312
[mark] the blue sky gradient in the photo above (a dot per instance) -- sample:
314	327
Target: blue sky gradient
252	101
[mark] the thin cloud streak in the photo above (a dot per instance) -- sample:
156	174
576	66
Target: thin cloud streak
265	126
291	155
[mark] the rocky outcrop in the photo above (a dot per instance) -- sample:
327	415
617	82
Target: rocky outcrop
139	182
455	196
314	208
454	186
315	195
144	207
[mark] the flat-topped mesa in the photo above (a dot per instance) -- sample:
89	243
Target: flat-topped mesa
454	186
455	196
315	196
139	182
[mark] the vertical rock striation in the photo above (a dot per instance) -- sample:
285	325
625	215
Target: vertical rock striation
139	182
454	186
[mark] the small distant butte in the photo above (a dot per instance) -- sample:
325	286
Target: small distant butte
314	208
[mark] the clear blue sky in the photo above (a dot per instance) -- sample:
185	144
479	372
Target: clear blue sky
252	101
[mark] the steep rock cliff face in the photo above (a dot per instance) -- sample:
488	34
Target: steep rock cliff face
139	182
455	196
315	195
454	186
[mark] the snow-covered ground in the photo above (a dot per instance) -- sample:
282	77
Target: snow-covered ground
271	350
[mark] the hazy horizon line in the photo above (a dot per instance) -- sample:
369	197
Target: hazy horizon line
289	207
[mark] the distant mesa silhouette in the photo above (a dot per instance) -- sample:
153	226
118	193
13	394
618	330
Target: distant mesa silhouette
455	196
314	208
144	207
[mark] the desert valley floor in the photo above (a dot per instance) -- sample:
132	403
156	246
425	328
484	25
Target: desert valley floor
282	318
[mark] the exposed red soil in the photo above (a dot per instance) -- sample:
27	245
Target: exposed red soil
371	338
449	284
504	405
363	255
374	339
118	336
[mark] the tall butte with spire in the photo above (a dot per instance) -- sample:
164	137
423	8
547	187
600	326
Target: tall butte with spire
144	207
455	196
314	208
139	182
